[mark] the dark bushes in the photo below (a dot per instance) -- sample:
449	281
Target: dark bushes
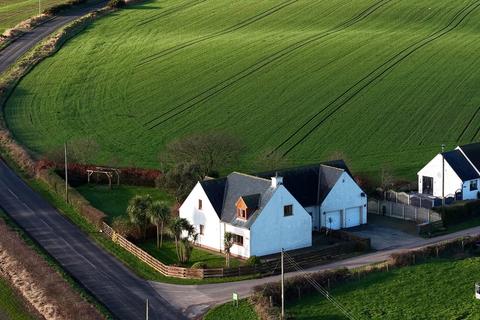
53	10
118	4
459	212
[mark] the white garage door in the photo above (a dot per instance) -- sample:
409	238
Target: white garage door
352	217
332	220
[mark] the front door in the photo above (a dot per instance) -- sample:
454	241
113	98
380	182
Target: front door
427	185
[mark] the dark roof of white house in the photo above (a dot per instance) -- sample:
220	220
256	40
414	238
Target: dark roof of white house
464	170
308	184
472	151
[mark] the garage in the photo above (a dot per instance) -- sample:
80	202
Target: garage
353	217
333	220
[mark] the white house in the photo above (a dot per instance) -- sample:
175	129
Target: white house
452	173
273	210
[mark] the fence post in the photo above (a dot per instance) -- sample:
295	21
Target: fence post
391	208
403	211
378	207
428	215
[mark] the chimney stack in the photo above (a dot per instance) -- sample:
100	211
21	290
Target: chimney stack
277	181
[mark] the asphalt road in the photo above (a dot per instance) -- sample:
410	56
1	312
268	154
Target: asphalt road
123	293
17	48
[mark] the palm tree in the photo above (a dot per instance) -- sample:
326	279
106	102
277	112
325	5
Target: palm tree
159	214
183	245
227	244
137	211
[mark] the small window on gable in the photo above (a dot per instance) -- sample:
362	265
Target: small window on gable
287	210
200	204
473	185
202	229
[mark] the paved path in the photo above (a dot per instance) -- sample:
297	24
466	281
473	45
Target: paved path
17	48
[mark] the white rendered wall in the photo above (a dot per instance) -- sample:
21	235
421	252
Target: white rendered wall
434	170
242	251
271	231
207	216
345	194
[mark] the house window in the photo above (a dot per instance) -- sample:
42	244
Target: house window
242	213
238	240
200	204
473	185
287	210
202	228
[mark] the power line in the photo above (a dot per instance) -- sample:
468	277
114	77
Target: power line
320	289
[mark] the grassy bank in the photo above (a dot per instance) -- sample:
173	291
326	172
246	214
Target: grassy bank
11	306
14	11
440	289
165	69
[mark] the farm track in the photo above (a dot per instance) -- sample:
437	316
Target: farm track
171	11
380	71
219	87
468	125
228	30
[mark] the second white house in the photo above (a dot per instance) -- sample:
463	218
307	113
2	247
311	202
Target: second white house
273	210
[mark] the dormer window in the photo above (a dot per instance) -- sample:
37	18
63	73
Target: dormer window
246	205
242	213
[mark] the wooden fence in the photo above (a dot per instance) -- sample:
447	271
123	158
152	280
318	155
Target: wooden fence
272	266
402	211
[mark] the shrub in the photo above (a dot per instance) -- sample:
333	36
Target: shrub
459	212
117	4
253	261
200	265
126	228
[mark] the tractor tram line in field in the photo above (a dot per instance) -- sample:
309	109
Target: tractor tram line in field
380	71
170	11
219	87
223	32
468	125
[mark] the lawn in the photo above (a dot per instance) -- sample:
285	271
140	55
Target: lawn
167	255
228	311
383	83
114	202
14	11
11	306
440	289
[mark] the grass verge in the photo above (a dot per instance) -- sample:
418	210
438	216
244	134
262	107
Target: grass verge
228	311
12	306
437	289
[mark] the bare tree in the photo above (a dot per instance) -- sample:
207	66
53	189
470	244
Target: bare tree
386	179
212	151
180	179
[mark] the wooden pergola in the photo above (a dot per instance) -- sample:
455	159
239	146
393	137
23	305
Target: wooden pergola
110	173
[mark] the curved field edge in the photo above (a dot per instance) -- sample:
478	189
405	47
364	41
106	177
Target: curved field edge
261	70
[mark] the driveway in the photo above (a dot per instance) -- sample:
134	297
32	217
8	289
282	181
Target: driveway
387	233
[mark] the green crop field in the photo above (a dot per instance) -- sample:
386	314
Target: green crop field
11	306
14	11
441	289
382	82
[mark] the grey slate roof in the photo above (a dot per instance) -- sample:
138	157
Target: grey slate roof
472	151
308	184
460	165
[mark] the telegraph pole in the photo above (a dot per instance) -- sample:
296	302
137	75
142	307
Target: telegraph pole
146	310
443	175
283	288
66	173
39	7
